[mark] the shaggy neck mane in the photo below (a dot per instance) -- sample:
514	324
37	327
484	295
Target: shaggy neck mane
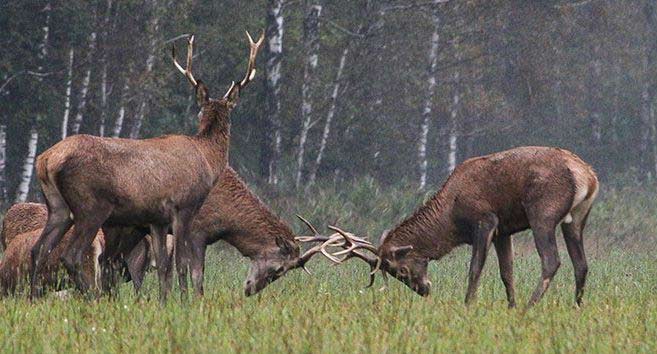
256	228
429	229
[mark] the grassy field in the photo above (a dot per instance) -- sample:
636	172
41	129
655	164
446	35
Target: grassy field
328	313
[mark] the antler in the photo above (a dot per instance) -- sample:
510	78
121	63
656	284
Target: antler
251	69
188	71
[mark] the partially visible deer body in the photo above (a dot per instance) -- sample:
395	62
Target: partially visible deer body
486	200
22	226
157	183
232	213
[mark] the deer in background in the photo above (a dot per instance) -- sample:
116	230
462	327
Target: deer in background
21	228
156	183
485	201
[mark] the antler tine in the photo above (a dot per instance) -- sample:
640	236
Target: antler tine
331	241
354	244
310	226
254	48
188	71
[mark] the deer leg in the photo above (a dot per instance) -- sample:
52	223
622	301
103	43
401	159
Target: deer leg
198	265
483	236
84	233
504	250
182	223
572	234
137	262
59	222
546	245
162	259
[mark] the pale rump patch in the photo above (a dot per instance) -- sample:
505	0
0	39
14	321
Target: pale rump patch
584	196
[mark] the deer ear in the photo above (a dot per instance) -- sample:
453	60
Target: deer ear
201	93
284	244
400	251
233	93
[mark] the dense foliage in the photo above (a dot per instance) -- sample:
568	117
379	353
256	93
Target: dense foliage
575	74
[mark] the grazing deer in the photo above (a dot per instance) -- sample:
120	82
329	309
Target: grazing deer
157	183
22	226
486	200
232	213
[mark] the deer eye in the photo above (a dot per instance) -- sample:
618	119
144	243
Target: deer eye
403	271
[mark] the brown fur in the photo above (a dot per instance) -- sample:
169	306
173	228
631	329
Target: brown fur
22	227
121	182
486	200
234	214
21	218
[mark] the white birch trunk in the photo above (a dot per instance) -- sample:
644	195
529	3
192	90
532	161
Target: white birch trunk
82	103
103	75
329	118
150	62
311	44
455	108
428	103
271	151
67	99
118	123
3	163
28	166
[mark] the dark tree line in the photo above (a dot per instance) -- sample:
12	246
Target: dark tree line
398	90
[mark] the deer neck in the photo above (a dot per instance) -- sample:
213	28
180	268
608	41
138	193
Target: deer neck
430	230
214	138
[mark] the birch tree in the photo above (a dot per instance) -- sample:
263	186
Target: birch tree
455	109
123	101
84	88
67	96
311	52
28	164
153	29
428	101
329	118
272	137
28	167
3	164
103	75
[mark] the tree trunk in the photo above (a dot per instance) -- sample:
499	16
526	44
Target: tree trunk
103	76
329	118
67	99
28	167
428	101
455	108
311	48
646	120
271	138
153	29
3	163
118	123
82	103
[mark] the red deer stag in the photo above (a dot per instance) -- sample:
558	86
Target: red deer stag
93	181
21	229
486	200
232	213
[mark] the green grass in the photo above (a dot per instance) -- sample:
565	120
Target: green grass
329	313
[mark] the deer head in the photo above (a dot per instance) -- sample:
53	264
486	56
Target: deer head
286	256
219	107
401	262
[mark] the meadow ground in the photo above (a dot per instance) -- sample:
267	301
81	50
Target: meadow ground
329	313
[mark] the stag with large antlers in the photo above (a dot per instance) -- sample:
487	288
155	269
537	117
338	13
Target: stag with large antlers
485	201
157	183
